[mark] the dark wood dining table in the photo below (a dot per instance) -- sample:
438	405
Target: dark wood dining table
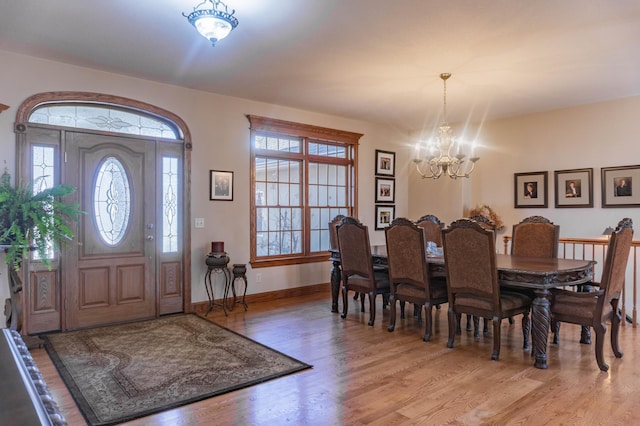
537	274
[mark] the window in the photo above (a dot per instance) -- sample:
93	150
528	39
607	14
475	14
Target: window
303	176
105	118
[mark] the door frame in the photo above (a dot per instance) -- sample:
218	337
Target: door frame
23	167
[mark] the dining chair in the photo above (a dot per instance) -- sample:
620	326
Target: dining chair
535	236
433	232
489	225
432	228
333	243
595	308
409	273
358	273
472	282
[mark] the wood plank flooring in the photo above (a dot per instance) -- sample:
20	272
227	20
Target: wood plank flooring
367	376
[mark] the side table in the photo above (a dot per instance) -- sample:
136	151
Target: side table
217	263
239	273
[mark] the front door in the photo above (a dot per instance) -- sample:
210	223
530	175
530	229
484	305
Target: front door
109	272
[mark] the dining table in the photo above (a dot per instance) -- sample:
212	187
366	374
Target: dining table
537	274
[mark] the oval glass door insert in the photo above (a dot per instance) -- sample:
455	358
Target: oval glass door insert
112	201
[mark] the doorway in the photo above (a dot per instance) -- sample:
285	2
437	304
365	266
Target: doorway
129	259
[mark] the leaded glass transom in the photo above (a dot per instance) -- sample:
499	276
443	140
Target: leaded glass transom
170	204
105	119
112	201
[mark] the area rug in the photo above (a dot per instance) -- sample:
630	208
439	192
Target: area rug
119	373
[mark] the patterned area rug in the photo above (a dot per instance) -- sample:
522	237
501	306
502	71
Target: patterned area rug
122	372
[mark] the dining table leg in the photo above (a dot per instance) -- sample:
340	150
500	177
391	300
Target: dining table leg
336	277
541	319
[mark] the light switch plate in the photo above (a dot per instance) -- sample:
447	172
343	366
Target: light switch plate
199	222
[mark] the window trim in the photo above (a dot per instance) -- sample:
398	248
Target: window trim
305	131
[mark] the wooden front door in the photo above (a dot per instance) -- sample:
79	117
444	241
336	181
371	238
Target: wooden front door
109	272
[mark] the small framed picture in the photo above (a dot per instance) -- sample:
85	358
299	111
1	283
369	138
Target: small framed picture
530	189
220	185
385	163
620	186
385	190
574	188
384	216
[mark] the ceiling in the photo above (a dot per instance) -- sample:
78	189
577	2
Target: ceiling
371	60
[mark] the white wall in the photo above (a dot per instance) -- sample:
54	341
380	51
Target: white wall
220	133
599	135
592	136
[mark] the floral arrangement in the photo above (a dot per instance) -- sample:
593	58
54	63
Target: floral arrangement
487	212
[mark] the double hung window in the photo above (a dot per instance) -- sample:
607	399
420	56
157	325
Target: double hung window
302	177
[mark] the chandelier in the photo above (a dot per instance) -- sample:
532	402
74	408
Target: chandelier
444	155
213	23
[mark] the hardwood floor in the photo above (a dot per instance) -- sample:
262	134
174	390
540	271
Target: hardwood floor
366	375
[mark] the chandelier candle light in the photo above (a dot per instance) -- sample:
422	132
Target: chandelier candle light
214	23
444	155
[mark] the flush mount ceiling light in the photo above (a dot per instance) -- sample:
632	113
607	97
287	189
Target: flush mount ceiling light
444	155
215	22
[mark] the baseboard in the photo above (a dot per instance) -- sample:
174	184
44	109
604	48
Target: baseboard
271	295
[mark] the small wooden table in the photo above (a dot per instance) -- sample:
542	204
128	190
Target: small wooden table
539	275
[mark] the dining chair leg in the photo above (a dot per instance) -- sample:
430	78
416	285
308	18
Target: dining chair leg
454	321
345	301
495	355
600	330
428	328
476	327
372	307
616	319
555	326
458	322
392	315
402	303
526	330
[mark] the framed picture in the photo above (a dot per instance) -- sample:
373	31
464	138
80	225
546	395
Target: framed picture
618	186
530	189
384	216
385	190
574	188
220	185
385	163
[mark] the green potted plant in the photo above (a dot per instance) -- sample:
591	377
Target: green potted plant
34	221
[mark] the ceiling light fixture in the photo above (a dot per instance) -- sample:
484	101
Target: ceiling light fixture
213	23
444	155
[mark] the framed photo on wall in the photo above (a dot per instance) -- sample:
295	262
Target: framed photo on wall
384	216
620	186
385	190
385	163
574	188
220	185
530	189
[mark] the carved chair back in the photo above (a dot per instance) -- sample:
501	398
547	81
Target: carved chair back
616	261
406	254
333	232
469	253
535	236
355	254
432	228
